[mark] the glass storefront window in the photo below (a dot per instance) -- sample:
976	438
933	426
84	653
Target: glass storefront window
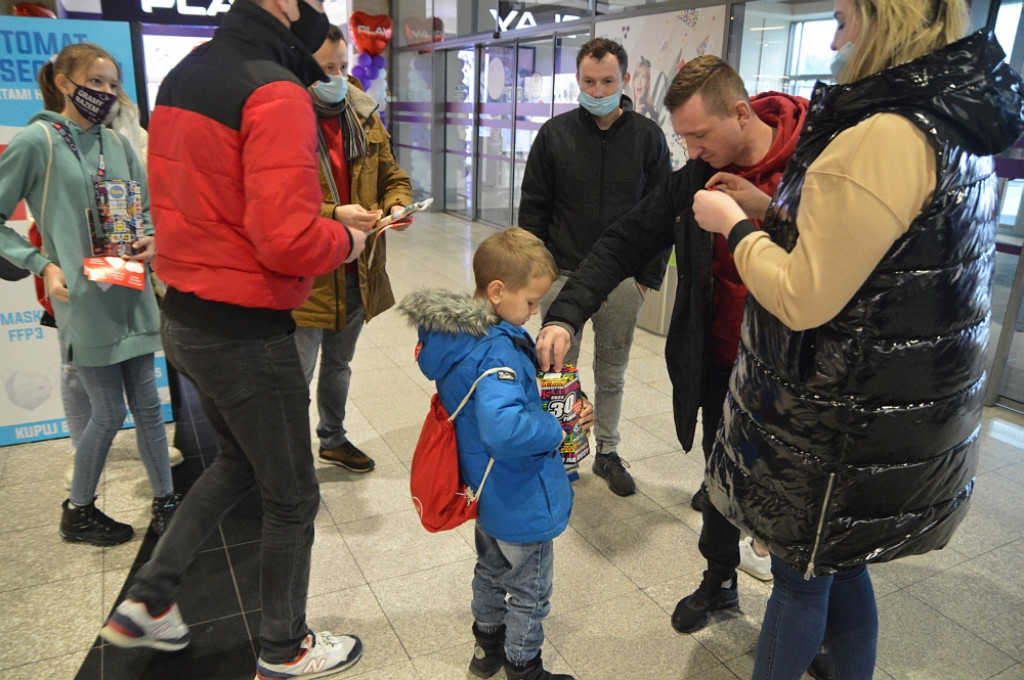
411	118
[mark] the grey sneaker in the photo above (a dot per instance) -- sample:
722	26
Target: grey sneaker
131	625
612	469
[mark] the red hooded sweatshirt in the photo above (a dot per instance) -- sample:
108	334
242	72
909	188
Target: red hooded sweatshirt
785	114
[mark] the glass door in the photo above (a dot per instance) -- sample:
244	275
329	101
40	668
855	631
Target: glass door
460	97
497	88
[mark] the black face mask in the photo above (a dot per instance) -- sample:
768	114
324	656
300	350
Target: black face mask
311	27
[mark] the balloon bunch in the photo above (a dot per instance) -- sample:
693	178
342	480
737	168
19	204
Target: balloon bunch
370	36
368	68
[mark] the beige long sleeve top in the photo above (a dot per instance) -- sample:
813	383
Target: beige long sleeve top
858	197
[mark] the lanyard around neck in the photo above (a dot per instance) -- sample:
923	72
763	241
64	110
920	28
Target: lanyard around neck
102	169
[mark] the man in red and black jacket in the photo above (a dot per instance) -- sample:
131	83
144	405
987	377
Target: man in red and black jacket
236	200
741	145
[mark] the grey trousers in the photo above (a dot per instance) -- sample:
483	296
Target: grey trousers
614	324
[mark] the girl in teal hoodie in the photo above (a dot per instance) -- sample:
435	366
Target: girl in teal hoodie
108	332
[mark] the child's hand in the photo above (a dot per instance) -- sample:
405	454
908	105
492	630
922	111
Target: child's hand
586	415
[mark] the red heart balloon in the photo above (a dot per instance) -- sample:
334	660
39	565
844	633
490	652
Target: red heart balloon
419	31
369	34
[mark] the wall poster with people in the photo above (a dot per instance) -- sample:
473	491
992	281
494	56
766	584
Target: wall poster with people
659	45
30	398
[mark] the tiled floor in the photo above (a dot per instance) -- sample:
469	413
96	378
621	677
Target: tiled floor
957	614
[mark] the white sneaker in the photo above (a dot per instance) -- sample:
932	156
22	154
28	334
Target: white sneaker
757	566
320	654
131	626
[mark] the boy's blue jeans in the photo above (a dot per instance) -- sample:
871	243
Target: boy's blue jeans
838	610
524	572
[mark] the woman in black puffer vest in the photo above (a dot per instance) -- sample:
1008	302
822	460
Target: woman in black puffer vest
851	427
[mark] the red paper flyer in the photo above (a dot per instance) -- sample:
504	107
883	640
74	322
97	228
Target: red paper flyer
117	271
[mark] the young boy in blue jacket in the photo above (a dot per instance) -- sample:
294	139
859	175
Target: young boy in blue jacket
527	498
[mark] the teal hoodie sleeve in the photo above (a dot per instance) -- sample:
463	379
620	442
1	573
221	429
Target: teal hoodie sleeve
22	169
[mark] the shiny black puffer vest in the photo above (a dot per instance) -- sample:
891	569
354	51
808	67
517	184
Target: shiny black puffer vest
856	441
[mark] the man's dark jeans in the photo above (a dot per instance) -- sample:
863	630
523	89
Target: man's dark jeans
256	397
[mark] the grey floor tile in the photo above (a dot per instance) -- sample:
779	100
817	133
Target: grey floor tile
1013	673
63	614
352	496
583	576
660	477
646	547
917	642
984	595
996	516
429	609
397	544
638	443
400	671
357	611
625	637
64	666
333	567
36	556
595	505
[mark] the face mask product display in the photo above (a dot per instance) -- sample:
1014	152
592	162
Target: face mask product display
600	107
26	389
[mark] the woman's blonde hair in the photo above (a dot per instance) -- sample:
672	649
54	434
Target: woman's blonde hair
896	31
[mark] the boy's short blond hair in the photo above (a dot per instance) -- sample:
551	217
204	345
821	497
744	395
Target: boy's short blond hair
513	256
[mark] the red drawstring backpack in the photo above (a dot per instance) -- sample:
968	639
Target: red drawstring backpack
441	499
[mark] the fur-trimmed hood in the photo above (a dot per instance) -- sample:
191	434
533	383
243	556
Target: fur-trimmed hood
444	311
451	325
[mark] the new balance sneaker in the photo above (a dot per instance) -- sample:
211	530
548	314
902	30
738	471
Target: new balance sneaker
693	612
131	625
347	456
758	566
88	524
612	469
320	654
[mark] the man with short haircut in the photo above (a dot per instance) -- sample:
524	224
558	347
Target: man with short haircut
236	201
587	168
737	144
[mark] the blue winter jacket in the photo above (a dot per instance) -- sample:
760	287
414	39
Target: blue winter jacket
527	497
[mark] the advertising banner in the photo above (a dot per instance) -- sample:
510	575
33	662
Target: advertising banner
658	45
30	370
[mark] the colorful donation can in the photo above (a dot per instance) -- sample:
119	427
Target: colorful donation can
562	396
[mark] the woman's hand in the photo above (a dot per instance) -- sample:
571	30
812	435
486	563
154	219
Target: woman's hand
752	200
56	286
357	217
717	212
145	250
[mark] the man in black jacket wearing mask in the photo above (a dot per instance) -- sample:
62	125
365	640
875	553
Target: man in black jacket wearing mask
587	168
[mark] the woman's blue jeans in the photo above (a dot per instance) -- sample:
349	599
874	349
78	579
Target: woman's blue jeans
107	387
838	610
524	572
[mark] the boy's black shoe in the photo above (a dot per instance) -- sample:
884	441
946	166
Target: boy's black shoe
612	469
694	611
163	510
89	525
533	670
488	653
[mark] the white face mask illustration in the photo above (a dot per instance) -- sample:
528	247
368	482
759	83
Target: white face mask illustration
27	390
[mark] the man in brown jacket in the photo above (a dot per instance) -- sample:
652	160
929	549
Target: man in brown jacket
361	180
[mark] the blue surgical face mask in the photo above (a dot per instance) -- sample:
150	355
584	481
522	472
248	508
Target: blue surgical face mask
332	92
600	107
839	59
